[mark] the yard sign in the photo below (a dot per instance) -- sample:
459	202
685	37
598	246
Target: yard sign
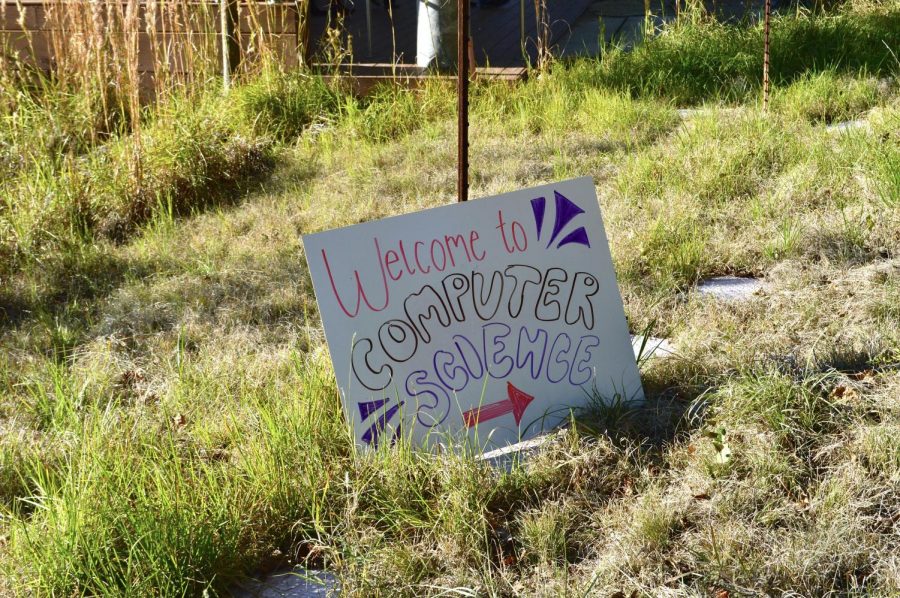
492	319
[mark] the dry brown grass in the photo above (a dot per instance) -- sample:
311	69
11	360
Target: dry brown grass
764	463
806	502
117	55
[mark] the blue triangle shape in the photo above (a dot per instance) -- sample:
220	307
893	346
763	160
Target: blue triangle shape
578	235
566	210
537	206
368	407
371	435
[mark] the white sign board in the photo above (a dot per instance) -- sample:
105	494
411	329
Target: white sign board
491	319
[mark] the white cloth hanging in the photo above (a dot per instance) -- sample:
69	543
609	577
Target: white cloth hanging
428	33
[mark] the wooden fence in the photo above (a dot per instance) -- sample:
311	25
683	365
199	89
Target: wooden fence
173	34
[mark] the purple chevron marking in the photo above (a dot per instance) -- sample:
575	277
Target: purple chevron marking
537	206
371	435
368	407
578	236
566	210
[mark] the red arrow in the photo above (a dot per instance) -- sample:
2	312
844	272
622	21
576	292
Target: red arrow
516	404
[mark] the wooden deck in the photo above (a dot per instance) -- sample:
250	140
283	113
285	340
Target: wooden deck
496	31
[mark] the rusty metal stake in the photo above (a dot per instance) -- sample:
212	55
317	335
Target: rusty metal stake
462	99
768	10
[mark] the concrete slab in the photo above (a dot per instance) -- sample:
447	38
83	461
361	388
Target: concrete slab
504	457
297	583
623	20
620	8
844	127
614	20
651	347
689	113
585	37
631	32
730	288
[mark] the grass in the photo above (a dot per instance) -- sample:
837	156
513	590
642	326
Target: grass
827	97
169	418
696	62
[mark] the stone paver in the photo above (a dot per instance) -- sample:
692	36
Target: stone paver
298	583
730	288
844	127
503	458
651	347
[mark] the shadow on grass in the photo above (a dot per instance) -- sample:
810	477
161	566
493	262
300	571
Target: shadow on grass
64	289
658	421
67	282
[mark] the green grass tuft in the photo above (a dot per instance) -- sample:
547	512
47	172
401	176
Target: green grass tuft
713	62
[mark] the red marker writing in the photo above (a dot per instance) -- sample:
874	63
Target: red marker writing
516	404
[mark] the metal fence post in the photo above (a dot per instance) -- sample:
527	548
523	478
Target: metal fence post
462	91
